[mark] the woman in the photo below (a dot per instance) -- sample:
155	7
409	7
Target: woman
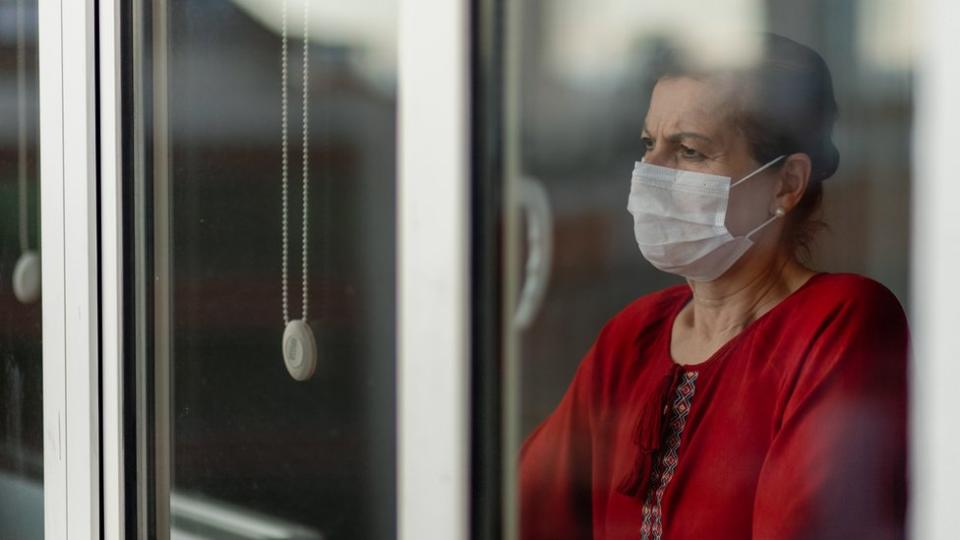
761	400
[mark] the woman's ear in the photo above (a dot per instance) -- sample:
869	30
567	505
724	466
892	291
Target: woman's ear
794	179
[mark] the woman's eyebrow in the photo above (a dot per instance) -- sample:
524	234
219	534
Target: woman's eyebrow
677	137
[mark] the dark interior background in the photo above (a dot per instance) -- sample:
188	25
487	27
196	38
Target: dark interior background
21	367
320	453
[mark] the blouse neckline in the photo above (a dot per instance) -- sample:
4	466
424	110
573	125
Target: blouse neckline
720	353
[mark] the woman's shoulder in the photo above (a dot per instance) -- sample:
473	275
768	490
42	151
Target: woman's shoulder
849	327
825	295
645	313
852	293
625	336
835	297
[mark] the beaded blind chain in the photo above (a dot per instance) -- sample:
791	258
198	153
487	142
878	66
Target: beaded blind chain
26	273
285	160
299	345
22	128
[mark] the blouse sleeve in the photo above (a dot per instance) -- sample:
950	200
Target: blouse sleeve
837	465
555	467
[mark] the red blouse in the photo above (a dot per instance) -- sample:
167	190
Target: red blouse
794	429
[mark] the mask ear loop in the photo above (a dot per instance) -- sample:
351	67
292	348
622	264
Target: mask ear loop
779	213
756	172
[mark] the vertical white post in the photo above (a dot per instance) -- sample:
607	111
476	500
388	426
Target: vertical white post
111	268
68	173
433	271
52	277
935	440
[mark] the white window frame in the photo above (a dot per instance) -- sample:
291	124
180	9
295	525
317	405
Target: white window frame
111	270
433	271
68	187
935	401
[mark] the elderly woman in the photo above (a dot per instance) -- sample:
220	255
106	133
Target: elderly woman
762	399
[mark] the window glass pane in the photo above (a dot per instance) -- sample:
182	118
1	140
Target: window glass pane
249	447
21	368
587	72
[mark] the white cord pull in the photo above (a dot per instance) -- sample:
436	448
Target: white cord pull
299	345
26	278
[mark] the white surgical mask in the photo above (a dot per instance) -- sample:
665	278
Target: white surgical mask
679	219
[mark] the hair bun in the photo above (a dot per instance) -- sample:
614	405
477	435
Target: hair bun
826	161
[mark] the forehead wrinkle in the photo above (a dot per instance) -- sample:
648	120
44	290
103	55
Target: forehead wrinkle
683	124
678	132
704	107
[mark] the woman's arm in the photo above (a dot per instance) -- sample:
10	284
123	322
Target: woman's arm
837	465
555	467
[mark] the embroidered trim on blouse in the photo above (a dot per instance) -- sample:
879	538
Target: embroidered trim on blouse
665	463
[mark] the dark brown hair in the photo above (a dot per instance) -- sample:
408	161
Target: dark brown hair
786	105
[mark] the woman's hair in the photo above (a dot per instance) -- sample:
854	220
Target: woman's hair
785	105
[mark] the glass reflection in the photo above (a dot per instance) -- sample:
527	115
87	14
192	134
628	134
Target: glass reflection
21	373
587	74
253	449
581	127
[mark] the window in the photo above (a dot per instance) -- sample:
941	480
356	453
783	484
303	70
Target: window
578	84
236	442
465	231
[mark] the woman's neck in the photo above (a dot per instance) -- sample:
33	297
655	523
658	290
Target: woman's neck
725	306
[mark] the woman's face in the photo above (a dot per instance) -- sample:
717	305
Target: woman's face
690	126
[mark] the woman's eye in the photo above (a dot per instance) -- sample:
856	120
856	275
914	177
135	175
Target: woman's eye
690	153
647	143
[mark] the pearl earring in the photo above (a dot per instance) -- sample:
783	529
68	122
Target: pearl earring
780	212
